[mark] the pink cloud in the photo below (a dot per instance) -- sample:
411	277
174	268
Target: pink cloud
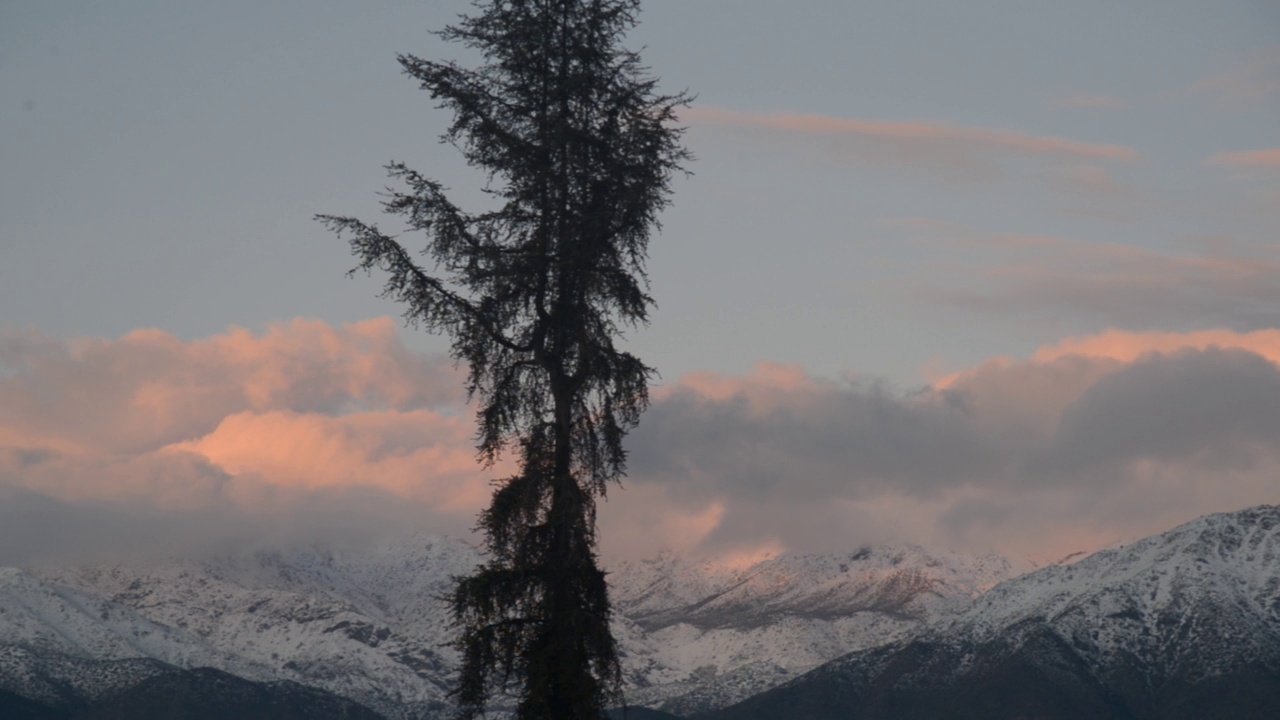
1129	346
238	420
149	389
420	455
767	383
920	133
642	519
1269	158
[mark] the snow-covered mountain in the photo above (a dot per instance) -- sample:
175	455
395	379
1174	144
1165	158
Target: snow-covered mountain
1185	624
698	635
365	625
369	624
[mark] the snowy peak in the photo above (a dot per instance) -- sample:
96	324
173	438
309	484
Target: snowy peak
698	634
1229	562
897	580
1200	600
644	587
1181	625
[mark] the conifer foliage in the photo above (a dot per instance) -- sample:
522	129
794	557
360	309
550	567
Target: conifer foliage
580	149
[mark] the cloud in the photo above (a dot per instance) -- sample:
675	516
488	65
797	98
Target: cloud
1097	192
642	518
1219	282
420	454
1088	179
925	132
754	434
1130	346
149	389
962	150
1091	101
1089	442
1269	159
269	431
310	431
1255	79
1209	407
35	527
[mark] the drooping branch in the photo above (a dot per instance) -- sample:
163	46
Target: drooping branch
430	303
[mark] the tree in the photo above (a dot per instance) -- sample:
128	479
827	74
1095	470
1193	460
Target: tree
579	149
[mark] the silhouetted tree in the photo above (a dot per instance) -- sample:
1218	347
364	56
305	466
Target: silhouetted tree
579	149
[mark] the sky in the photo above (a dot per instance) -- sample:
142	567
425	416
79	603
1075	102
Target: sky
992	275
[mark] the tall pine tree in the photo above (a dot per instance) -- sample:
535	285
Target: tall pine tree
580	149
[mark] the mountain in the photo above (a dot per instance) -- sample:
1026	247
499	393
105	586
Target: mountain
699	635
1185	624
368	624
44	619
200	694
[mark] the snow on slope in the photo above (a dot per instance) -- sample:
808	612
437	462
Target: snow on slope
57	619
714	635
56	642
369	624
1187	600
366	625
1185	625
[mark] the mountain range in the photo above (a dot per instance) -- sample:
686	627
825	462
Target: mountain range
1165	627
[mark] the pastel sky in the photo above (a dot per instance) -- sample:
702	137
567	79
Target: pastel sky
996	274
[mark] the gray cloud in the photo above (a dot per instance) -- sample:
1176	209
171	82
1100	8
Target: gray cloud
1217	405
36	527
1033	456
842	439
1061	282
1228	284
1096	192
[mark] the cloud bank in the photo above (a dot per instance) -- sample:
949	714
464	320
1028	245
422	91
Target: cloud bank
309	431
